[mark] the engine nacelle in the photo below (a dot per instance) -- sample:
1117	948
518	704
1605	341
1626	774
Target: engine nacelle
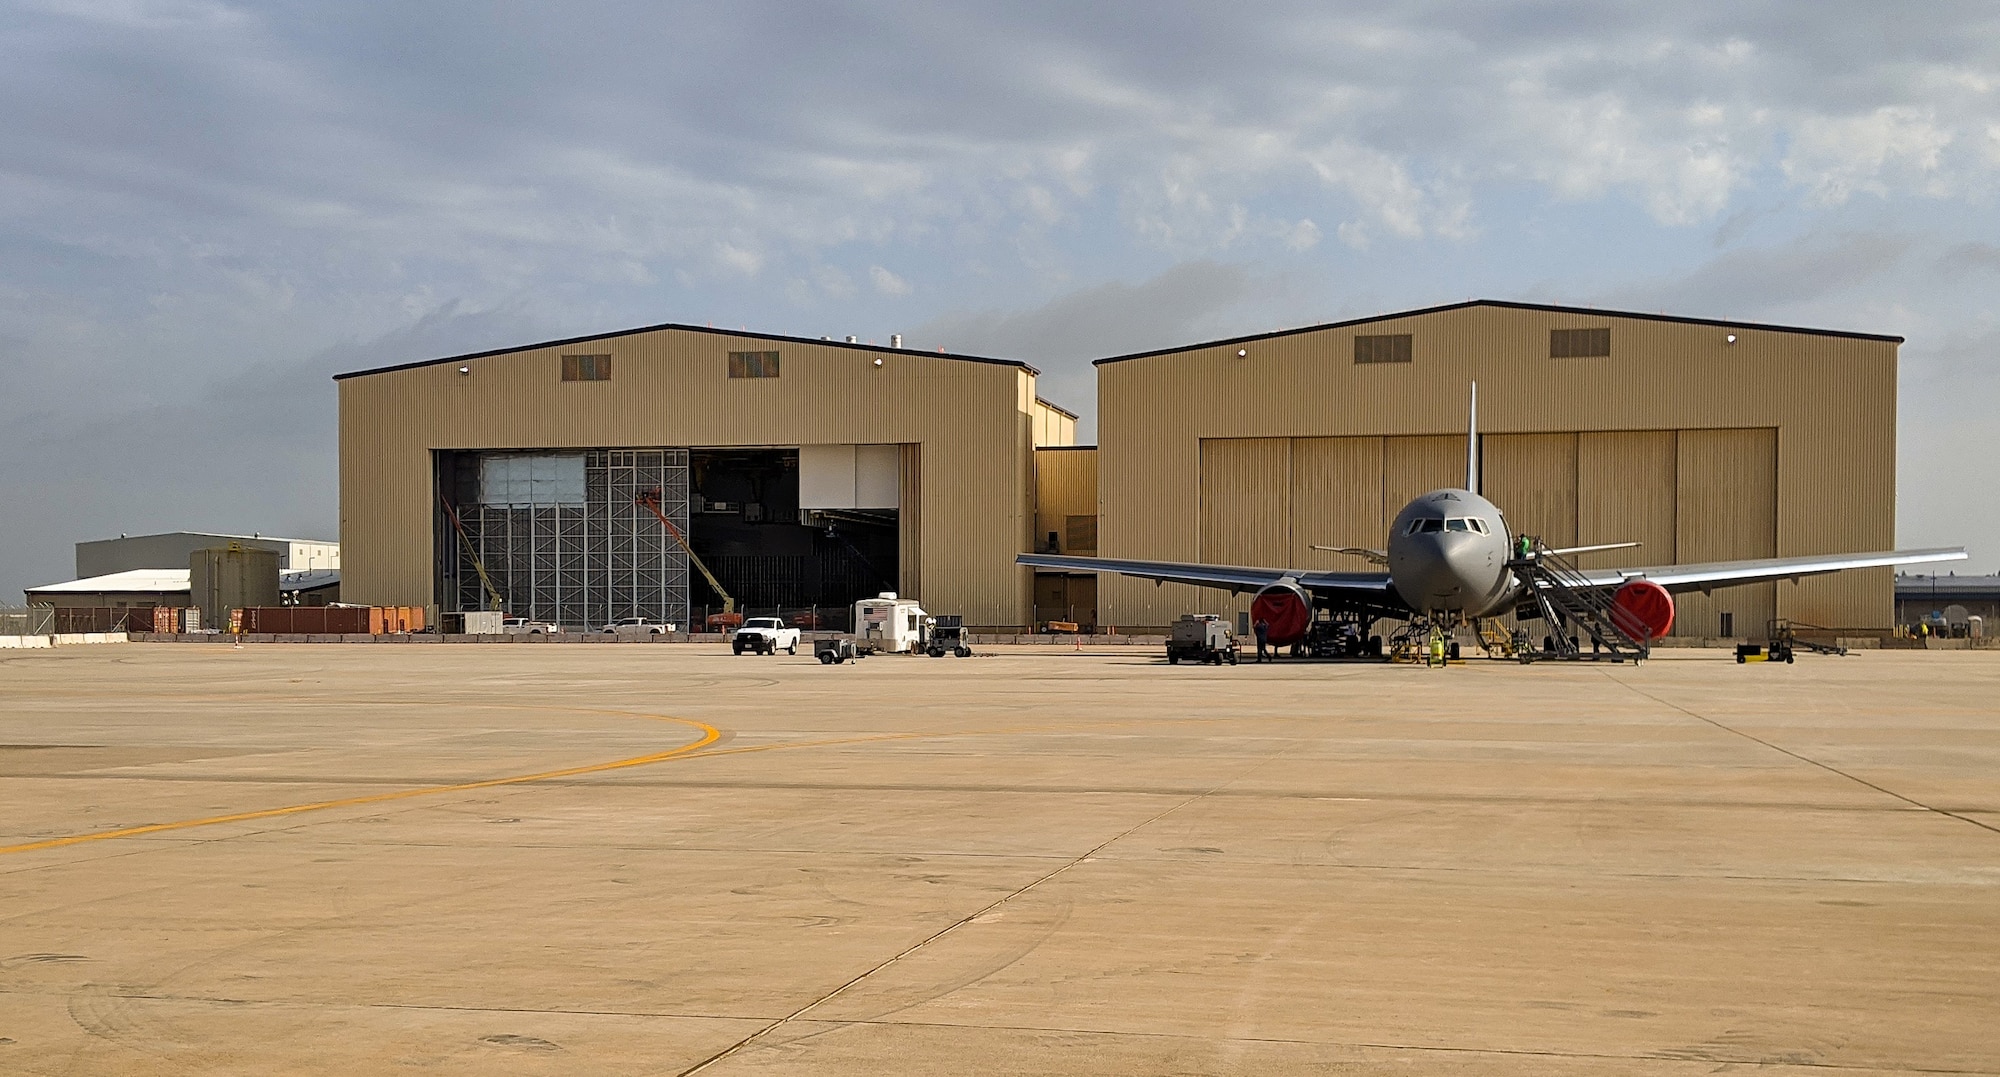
1642	610
1286	609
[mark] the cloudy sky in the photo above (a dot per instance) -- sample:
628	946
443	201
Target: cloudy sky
206	208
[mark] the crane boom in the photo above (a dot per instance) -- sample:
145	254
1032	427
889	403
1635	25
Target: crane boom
651	499
471	555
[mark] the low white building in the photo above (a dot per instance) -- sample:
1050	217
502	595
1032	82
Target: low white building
171	587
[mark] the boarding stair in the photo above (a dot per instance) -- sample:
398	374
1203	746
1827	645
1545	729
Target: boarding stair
1494	638
1579	615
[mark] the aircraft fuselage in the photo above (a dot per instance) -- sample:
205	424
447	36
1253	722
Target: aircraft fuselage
1448	552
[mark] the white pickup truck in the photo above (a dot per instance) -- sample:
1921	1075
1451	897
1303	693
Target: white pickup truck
765	635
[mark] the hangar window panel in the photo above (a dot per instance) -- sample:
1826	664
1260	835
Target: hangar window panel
1579	343
1390	348
521	480
753	364
586	368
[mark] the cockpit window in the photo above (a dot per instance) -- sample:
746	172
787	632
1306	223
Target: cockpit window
1433	525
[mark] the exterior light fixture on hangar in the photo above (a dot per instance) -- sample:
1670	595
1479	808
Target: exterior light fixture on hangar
804	472
1704	440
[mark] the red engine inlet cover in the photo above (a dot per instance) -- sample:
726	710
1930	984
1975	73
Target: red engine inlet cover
1643	609
1286	610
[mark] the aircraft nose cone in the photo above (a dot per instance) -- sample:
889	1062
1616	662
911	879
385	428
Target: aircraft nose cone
1467	558
1441	573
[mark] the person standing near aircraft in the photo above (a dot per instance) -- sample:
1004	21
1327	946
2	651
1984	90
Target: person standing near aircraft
1263	630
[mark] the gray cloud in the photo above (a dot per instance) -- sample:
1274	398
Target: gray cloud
1970	257
1944	466
252	450
1063	335
1765	282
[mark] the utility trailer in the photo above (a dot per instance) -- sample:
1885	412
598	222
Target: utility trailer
833	650
1782	644
1202	637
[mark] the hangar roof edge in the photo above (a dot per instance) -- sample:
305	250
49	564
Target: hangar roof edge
1053	406
1509	305
742	333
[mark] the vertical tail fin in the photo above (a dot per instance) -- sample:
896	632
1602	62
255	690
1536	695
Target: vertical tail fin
1472	443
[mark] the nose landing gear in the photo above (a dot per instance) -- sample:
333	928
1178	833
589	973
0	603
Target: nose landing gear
1427	639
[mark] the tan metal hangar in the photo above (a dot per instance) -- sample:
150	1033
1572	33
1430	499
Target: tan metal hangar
809	472
805	473
1704	440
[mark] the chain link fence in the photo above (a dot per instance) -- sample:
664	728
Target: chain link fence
27	620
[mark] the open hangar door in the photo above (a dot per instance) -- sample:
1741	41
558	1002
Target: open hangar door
560	535
793	531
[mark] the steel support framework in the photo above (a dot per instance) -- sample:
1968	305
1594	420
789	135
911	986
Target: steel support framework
589	564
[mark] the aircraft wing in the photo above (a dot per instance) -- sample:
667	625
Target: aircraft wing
1354	588
1713	574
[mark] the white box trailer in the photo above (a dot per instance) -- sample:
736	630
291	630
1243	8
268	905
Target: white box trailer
889	623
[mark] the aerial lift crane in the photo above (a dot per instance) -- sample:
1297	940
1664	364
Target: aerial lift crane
471	555
651	499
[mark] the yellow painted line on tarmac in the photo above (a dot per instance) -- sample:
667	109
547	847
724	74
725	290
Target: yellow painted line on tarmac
709	735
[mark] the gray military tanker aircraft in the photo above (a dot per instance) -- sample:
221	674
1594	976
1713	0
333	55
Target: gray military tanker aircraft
1450	557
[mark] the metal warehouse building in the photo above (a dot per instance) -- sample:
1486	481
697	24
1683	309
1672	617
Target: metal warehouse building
804	473
812	472
1704	440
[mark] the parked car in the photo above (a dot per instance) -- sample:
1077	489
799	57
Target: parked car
524	627
765	635
640	624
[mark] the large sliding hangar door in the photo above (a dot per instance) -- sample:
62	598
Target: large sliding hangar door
1686	495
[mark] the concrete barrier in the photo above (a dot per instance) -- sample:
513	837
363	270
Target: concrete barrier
61	639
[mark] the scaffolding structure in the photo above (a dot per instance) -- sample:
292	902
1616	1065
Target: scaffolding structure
581	564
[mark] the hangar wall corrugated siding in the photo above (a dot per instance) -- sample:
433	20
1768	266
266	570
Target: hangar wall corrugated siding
1246	510
1532	477
1831	400
972	423
1336	500
1626	492
1065	487
1727	508
1053	426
